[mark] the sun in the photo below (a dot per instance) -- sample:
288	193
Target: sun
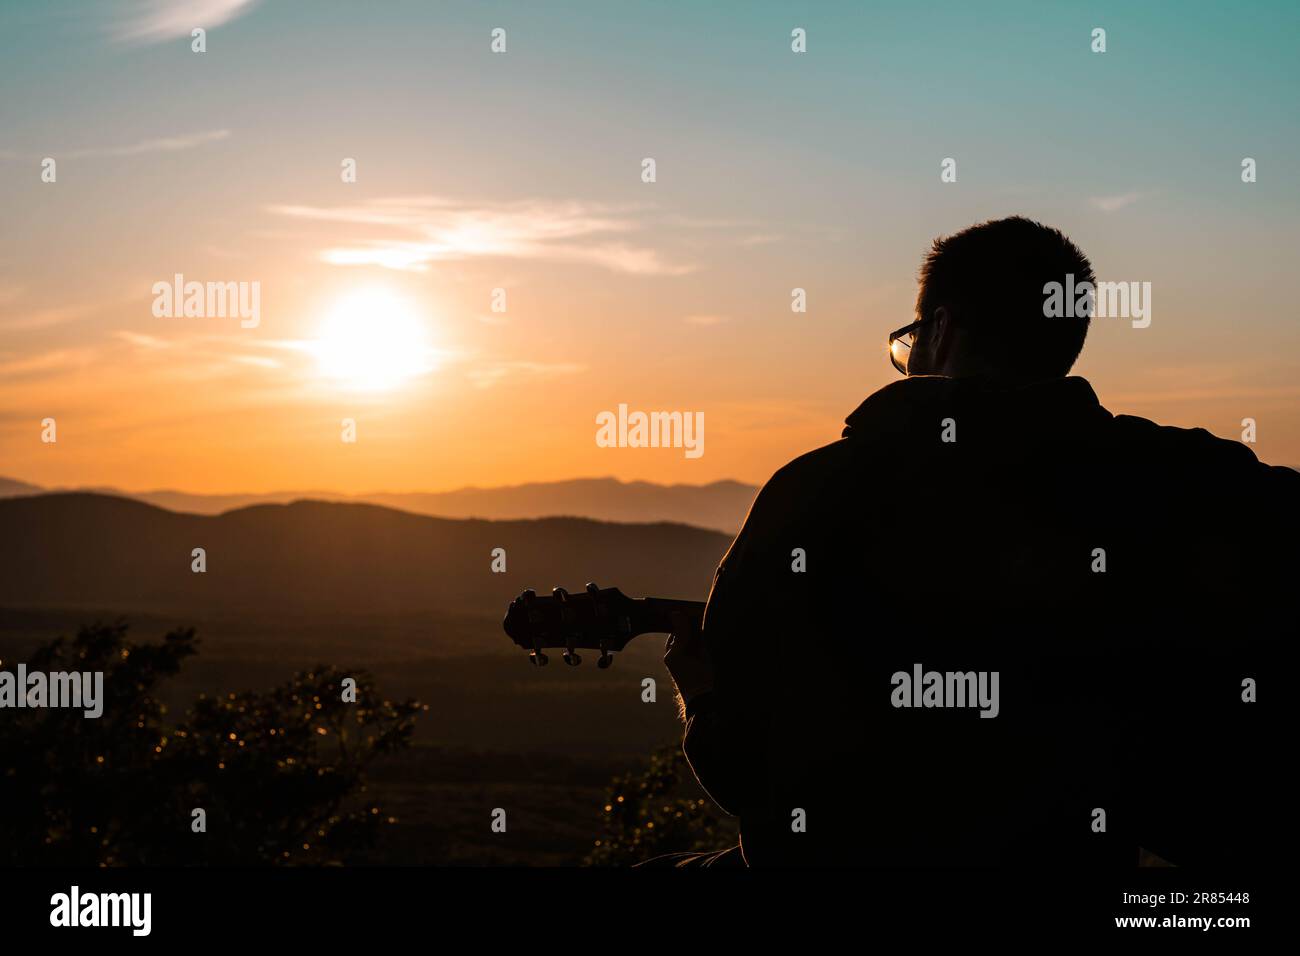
372	340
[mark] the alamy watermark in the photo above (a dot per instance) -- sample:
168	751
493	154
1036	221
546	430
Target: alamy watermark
651	430
1104	300
923	688
208	300
78	690
75	908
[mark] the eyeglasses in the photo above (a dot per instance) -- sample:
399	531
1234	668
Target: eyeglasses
900	345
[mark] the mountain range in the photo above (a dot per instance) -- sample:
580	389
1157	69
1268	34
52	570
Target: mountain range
413	600
312	559
720	505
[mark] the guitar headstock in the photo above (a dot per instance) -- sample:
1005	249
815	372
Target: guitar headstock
602	619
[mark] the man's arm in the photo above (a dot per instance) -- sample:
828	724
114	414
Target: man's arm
719	673
1214	793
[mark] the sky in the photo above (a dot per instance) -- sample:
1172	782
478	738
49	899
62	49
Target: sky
522	171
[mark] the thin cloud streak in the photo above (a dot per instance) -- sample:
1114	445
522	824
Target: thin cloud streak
485	376
162	144
436	229
155	21
166	144
1114	203
45	318
55	360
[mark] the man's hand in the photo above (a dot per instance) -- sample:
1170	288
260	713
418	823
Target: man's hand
687	660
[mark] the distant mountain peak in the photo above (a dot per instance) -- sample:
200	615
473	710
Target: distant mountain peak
719	505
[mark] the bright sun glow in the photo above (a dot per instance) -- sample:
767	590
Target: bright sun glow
372	340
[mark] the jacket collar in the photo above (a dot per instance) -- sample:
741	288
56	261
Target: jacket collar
902	405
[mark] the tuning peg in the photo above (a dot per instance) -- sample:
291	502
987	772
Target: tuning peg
528	595
606	658
592	587
571	656
560	594
538	658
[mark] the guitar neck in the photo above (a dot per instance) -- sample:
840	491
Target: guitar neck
654	615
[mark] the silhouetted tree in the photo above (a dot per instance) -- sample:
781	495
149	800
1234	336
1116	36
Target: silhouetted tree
660	809
280	775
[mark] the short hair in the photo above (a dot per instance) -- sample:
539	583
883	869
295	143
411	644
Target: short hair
991	276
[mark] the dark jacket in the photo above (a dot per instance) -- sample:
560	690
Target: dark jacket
1119	689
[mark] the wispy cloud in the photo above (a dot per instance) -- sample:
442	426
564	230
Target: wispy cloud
485	376
21	310
26	319
165	144
293	362
707	319
231	348
161	144
140	340
1114	203
42	363
296	361
426	229
154	21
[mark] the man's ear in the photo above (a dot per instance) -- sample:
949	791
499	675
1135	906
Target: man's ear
941	335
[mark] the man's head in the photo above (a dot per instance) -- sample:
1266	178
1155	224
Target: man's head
981	304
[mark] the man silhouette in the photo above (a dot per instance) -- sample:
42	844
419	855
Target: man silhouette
995	623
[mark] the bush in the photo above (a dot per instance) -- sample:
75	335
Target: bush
279	774
661	809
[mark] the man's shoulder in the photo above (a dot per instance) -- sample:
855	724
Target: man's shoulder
1194	454
1195	448
813	467
812	477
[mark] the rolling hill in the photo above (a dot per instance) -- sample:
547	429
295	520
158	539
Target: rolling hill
721	505
312	558
411	599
